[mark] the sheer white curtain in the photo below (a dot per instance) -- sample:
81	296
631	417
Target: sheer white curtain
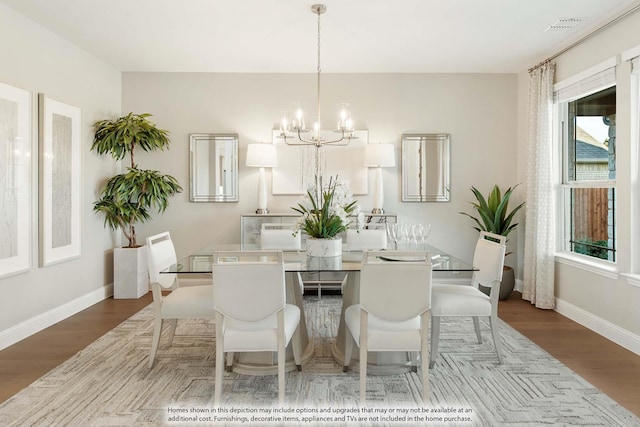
539	247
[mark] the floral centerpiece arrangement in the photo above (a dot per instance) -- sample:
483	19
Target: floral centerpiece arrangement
326	209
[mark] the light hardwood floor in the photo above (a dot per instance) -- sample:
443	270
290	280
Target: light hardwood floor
607	366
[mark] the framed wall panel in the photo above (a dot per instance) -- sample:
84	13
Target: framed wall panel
15	180
60	136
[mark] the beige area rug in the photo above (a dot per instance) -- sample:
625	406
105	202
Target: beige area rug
109	384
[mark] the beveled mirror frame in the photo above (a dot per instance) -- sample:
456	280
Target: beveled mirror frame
426	167
217	168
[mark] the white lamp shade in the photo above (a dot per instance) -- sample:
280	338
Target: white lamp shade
262	155
380	155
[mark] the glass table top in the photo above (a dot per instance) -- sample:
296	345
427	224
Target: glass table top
298	261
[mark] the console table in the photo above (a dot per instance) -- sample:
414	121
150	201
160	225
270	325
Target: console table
251	224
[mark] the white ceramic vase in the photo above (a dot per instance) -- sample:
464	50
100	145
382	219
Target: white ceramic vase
324	247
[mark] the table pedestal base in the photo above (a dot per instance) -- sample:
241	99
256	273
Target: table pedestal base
379	363
265	363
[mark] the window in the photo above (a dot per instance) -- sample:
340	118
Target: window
587	126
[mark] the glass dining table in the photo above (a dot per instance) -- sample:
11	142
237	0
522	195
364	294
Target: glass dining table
201	262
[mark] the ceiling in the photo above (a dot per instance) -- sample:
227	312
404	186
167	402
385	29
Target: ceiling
275	36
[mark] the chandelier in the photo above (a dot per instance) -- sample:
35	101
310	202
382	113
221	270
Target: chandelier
296	125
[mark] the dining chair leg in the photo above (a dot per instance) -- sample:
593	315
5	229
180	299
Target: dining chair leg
300	282
363	355
157	330
219	360
173	323
424	357
297	348
412	356
435	337
230	356
348	350
496	337
281	354
344	283
476	326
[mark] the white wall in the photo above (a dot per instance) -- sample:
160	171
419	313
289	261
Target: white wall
478	110
39	61
606	303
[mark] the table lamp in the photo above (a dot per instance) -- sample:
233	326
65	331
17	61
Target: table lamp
379	156
262	156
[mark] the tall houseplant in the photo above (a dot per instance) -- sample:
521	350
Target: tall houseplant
128	198
493	215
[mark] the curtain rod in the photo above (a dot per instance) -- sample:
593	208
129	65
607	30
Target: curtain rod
586	37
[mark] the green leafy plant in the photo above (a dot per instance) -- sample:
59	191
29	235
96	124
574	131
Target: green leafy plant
493	211
128	198
326	209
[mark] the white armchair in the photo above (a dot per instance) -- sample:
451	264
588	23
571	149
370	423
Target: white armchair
463	300
393	313
182	302
251	310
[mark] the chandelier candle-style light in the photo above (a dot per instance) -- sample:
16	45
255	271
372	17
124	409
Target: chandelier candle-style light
297	126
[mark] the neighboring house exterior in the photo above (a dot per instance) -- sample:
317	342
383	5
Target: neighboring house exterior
592	157
591	226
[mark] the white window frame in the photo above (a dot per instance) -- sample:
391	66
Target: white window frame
595	79
633	56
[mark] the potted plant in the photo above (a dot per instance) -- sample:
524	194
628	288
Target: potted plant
494	216
129	197
325	213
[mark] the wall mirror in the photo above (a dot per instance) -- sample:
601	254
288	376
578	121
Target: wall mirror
214	167
425	167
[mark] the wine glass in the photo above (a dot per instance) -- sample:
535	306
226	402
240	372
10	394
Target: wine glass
413	236
422	233
427	231
403	235
392	232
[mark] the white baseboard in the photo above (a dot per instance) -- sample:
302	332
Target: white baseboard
603	327
30	326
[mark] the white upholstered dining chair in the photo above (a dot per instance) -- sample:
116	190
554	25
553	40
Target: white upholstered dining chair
366	239
280	236
181	302
393	313
251	310
469	300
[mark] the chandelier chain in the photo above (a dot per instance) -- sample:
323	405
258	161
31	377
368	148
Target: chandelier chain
318	42
345	125
319	68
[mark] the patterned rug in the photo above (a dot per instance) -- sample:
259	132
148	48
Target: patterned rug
108	384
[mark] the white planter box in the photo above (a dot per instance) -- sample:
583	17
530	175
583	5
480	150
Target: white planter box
130	273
